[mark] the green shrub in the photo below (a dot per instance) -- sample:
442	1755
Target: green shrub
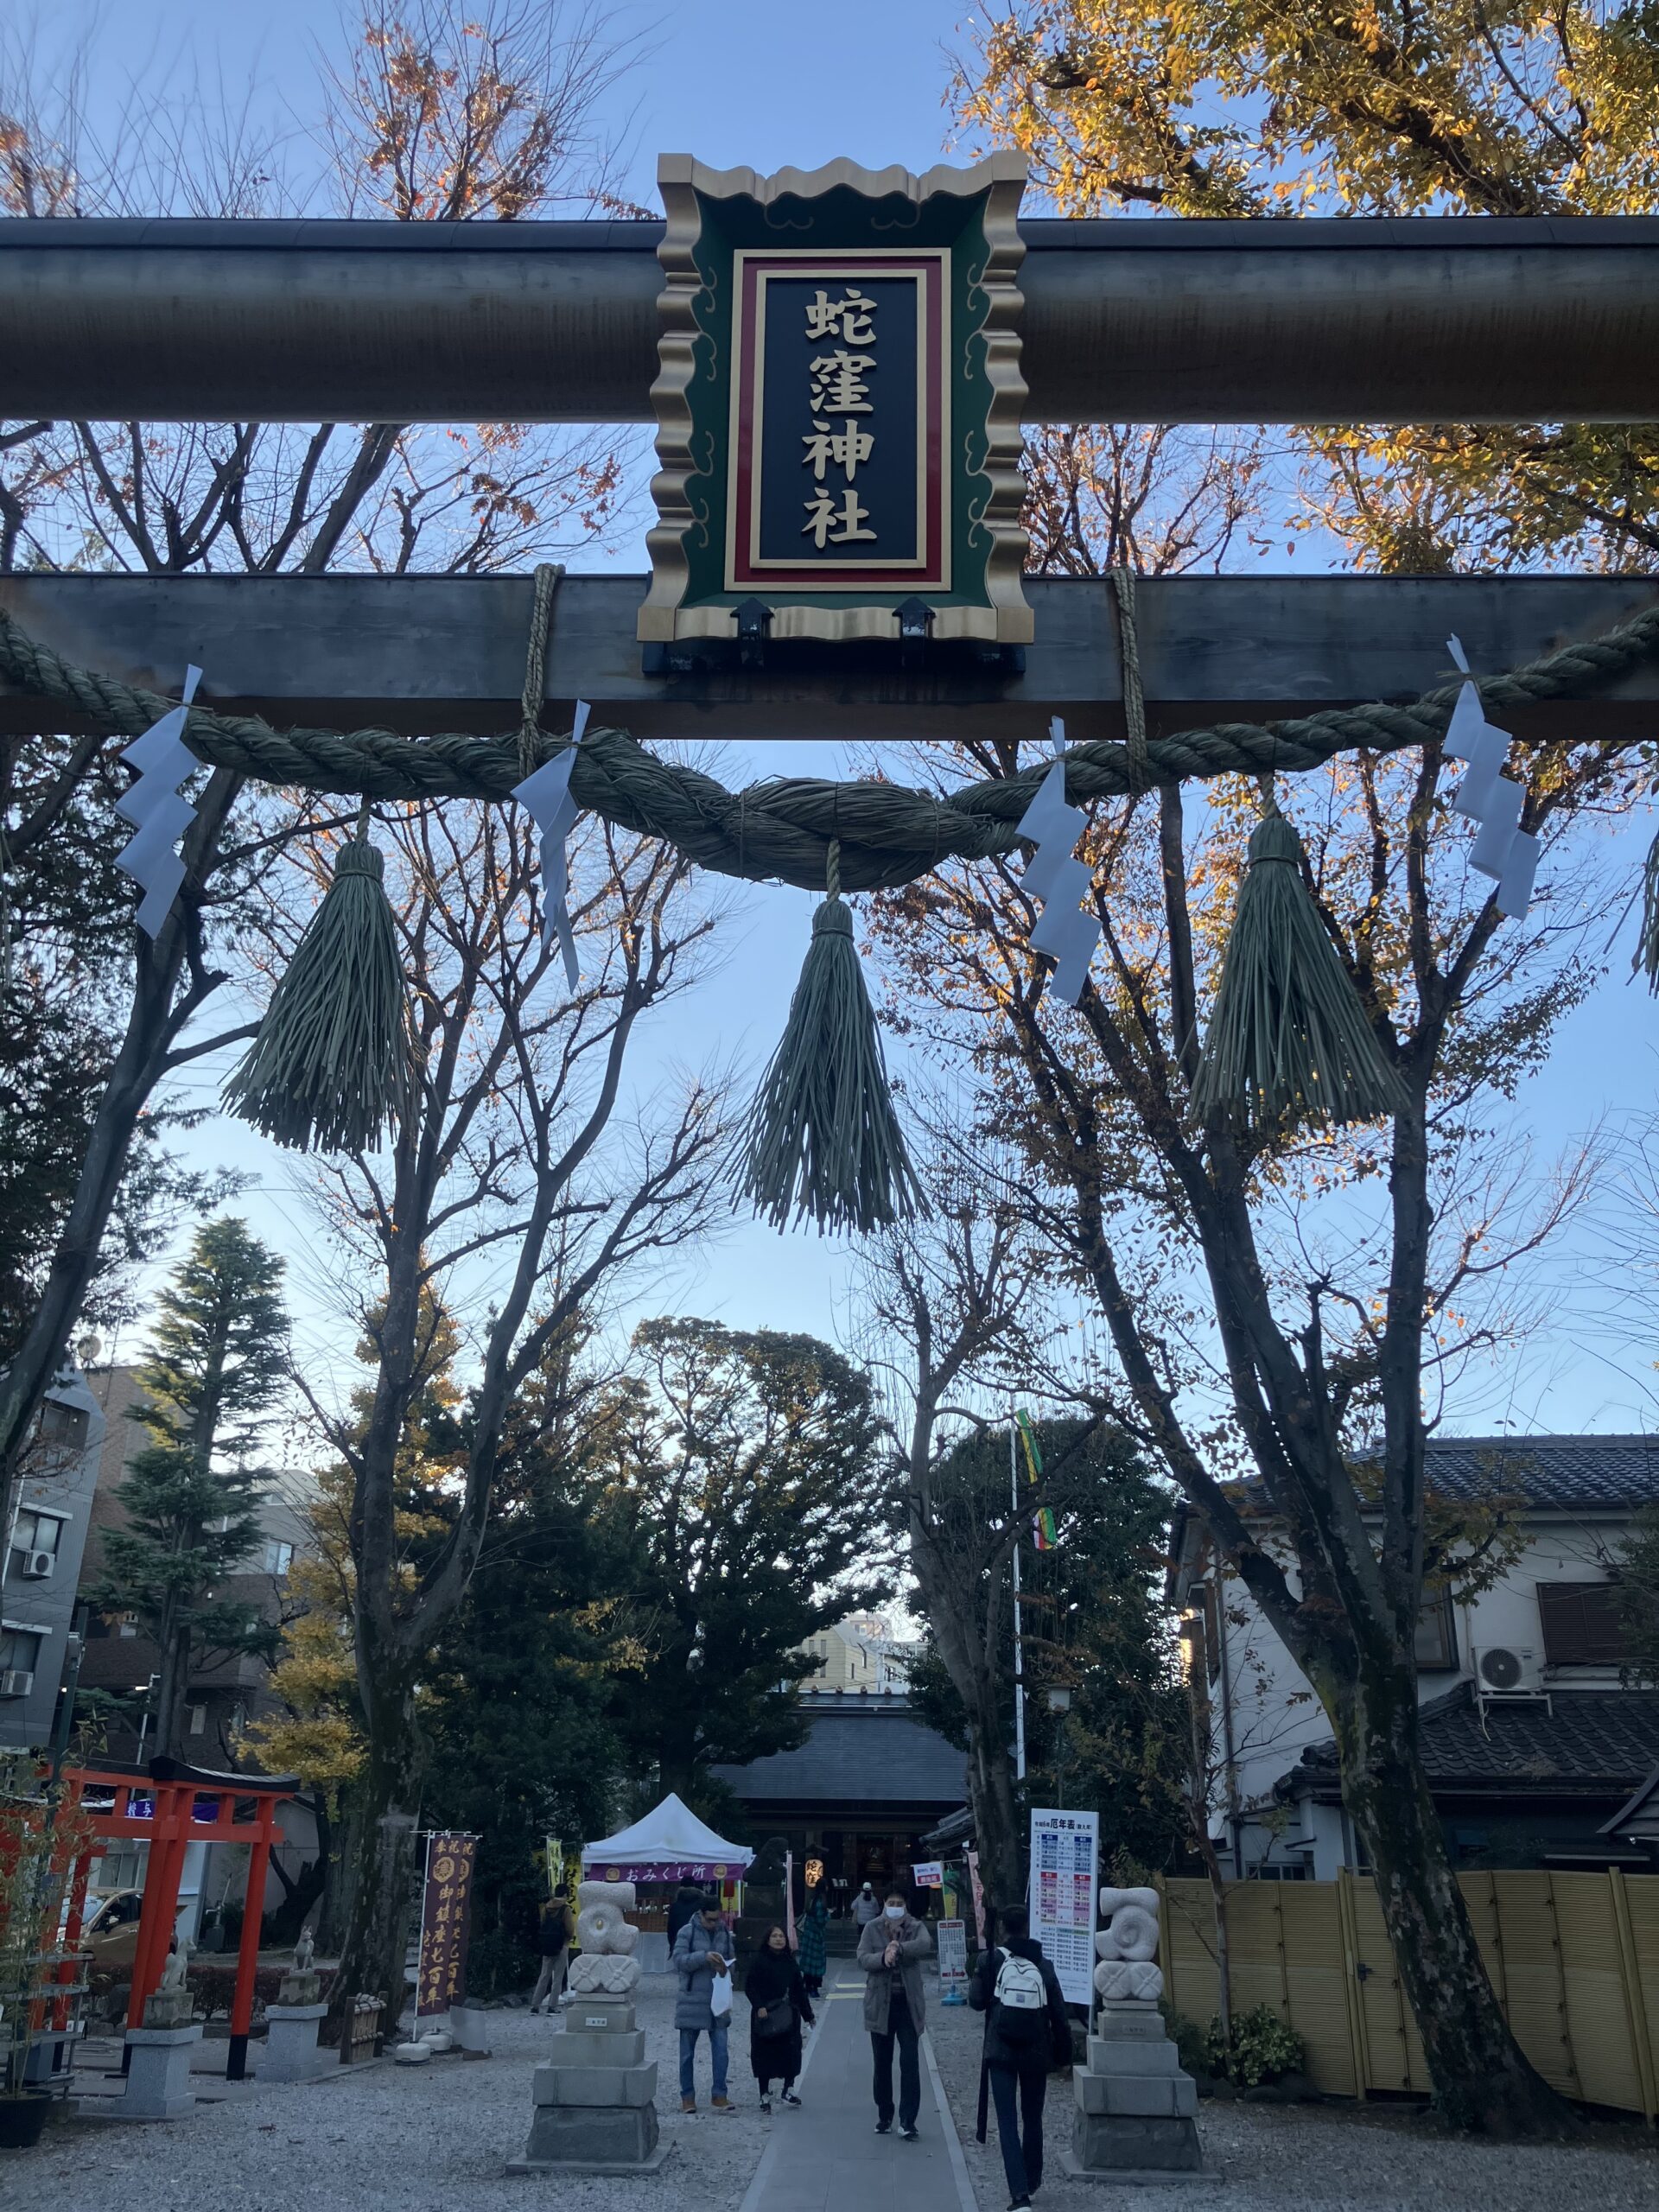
1189	2039
1264	2048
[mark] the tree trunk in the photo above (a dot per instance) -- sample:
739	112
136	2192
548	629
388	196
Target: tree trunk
996	1818
340	1856
158	1013
373	1956
1482	2080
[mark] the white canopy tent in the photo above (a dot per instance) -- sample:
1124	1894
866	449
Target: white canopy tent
669	1844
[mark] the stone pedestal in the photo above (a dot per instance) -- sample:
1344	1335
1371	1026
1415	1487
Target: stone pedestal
595	2100
158	2078
291	2052
471	2029
1136	2110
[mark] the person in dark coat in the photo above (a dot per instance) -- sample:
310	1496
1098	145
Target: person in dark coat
553	1935
777	2005
1020	2053
687	1900
814	1943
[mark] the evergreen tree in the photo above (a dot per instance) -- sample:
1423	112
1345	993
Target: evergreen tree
191	1497
748	1469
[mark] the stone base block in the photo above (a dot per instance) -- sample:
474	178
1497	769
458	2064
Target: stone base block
291	2052
1174	2097
158	2075
604	2015
1122	2148
1132	2055
1130	2021
596	2086
598	2047
566	2136
1138	2176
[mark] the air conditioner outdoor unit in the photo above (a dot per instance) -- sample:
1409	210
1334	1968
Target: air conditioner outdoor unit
35	1565
1506	1671
16	1681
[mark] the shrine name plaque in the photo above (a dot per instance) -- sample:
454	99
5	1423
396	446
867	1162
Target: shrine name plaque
838	403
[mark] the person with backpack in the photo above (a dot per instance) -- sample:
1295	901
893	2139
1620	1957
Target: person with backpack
1027	2032
554	1935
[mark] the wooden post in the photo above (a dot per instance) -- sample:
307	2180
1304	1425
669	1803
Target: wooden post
1560	1985
1630	1973
1358	2040
247	1951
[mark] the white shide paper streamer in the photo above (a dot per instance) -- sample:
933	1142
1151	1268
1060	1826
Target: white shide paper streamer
1503	849
158	810
1062	930
545	797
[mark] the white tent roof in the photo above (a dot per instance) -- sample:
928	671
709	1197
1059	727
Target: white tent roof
671	1832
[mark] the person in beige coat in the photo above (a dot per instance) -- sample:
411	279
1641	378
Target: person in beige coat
891	1951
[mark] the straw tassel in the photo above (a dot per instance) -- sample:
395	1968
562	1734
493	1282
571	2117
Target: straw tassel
1647	945
330	1070
1288	1038
823	1140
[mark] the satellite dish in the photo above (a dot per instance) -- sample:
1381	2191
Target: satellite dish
89	1350
1499	1670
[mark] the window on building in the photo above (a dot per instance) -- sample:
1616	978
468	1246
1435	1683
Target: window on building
36	1532
20	1648
63	1425
278	1558
1581	1624
1437	1633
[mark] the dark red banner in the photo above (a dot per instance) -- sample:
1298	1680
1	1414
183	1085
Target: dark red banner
446	1919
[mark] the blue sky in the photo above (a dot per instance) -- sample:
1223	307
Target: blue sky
751	82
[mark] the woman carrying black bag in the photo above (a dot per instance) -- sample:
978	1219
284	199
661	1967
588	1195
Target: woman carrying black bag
778	2005
1027	2033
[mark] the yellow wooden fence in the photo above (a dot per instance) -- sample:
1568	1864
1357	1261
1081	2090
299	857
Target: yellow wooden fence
1574	1958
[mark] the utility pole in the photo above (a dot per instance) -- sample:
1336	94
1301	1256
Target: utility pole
1019	1642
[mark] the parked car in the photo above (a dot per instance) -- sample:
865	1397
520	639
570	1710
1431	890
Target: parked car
110	1933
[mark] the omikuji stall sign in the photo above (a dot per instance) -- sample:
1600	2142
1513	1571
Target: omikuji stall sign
1065	1848
446	1921
838	408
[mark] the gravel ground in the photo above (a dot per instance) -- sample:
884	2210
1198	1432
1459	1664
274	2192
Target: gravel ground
1332	2157
429	2139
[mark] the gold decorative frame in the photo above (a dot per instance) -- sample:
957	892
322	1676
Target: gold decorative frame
681	178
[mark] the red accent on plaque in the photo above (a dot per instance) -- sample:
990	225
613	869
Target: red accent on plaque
848	574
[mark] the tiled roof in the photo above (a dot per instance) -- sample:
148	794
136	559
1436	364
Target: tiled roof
1565	1473
1584	1740
861	1752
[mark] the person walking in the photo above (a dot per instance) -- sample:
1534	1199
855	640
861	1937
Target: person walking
866	1907
814	1943
891	1951
1027	2031
689	1898
779	2004
553	1933
701	1957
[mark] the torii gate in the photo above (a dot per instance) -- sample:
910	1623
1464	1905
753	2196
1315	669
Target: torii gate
1428	319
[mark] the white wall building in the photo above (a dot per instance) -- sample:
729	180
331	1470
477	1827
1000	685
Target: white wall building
1533	1736
39	1567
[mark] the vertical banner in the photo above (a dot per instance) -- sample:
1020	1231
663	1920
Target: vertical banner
1065	1848
953	1961
446	1917
789	1900
972	1858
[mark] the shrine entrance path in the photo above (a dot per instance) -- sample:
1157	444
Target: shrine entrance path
828	2158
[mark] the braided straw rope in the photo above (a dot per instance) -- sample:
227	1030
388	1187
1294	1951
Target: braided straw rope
782	827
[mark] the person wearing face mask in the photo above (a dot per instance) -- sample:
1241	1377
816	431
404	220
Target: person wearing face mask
891	1951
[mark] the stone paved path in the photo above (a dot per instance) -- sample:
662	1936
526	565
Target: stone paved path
828	2158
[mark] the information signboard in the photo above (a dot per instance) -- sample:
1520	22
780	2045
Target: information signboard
1065	1848
952	1938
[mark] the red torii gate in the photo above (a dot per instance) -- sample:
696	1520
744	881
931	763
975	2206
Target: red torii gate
168	1805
